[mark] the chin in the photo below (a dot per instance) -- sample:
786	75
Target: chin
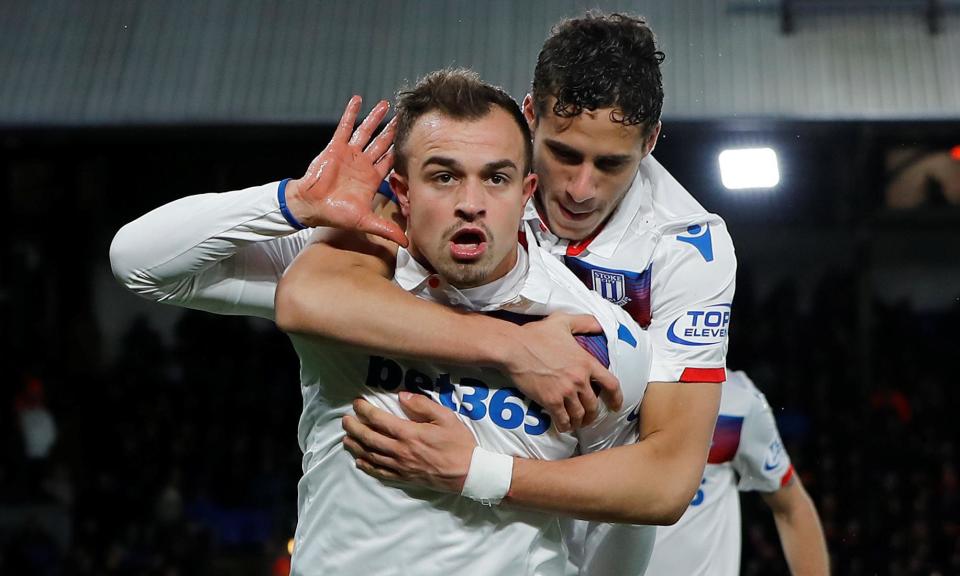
465	274
574	232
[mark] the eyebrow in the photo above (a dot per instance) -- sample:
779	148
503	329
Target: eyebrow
564	149
443	161
452	164
498	165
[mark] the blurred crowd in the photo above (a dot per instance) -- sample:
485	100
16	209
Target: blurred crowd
182	458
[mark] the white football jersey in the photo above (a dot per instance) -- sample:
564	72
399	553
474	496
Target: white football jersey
669	263
225	253
746	455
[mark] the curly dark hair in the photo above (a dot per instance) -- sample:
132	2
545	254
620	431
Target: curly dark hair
459	94
600	61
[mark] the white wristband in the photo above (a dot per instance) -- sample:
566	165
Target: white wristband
488	479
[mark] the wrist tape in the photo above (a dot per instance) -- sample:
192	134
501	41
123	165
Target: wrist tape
488	479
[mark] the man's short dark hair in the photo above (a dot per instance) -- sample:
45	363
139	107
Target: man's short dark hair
458	94
601	61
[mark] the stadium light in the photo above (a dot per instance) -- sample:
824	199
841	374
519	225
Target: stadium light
747	168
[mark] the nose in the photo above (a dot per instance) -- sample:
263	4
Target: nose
471	201
582	187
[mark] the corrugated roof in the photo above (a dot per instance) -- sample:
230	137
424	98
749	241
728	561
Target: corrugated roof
141	61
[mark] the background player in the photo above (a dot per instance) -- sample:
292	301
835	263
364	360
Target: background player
630	231
463	177
746	455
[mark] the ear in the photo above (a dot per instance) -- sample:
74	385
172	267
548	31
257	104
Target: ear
530	112
401	190
529	187
650	142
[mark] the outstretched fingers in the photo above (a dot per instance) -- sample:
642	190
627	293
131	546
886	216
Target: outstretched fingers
382	142
363	132
347	120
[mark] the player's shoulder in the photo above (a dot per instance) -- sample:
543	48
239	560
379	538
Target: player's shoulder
687	234
741	389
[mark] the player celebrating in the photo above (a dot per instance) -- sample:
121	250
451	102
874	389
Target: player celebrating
462	179
747	455
609	211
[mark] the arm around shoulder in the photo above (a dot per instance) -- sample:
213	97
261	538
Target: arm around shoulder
650	482
342	289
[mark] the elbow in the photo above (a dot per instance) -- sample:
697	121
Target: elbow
287	308
292	308
671	513
678	497
670	510
669	507
125	263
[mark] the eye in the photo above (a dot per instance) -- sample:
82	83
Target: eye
499	179
610	165
443	178
566	157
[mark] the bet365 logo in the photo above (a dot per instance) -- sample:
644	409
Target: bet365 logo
508	408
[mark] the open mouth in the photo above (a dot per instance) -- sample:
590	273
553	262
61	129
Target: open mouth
468	243
577	216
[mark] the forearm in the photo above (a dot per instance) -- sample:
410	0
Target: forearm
649	482
337	305
802	537
638	484
219	252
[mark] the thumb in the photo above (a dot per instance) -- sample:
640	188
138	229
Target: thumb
419	408
584	324
386	229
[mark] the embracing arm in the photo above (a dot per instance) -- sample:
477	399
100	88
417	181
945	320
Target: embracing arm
799	527
650	482
342	290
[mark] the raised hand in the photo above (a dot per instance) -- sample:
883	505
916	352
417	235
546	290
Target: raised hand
339	185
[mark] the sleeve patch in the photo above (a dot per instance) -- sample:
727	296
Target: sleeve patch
705	327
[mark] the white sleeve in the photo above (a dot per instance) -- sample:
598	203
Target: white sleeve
761	460
223	253
694	276
616	549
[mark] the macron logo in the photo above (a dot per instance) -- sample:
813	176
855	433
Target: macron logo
699	238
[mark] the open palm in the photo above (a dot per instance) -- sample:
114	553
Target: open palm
339	185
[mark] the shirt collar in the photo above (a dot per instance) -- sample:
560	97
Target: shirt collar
416	279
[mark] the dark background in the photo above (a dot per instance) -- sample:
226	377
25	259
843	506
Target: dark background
176	443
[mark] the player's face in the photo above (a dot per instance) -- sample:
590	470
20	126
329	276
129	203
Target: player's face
463	195
585	164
